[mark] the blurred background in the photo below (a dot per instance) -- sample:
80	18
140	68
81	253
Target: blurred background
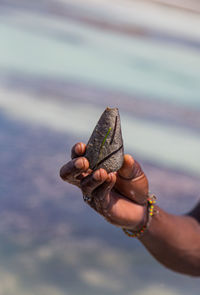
61	63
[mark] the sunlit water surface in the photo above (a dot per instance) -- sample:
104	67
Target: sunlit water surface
56	76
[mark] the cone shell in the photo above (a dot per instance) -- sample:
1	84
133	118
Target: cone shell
105	146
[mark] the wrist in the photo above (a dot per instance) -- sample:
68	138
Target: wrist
149	211
142	218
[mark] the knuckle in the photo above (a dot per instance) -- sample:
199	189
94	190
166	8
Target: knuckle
84	182
62	172
93	205
67	171
85	186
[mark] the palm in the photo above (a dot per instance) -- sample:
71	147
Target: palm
131	187
117	196
121	211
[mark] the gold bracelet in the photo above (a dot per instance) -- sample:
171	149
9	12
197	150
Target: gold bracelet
151	201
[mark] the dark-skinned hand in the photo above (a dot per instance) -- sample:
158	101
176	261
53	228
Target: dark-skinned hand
119	196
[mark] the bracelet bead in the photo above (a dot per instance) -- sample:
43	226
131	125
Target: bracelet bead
151	201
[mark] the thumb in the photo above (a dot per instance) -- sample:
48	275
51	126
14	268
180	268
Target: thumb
130	169
131	181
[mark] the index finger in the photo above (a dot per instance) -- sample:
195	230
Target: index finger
74	168
78	150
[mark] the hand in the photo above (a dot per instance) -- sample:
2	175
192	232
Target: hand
120	196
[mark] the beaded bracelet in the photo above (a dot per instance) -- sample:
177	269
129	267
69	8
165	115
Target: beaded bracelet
151	200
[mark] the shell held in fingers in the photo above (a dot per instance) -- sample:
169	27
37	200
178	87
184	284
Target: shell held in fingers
105	146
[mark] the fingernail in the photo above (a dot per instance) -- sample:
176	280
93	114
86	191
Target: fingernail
127	168
78	148
78	163
96	175
109	178
82	147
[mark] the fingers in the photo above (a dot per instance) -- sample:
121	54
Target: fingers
115	208
98	186
131	181
92	181
72	170
102	195
78	150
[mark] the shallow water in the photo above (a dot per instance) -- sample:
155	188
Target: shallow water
57	74
136	65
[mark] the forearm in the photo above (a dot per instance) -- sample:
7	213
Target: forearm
175	242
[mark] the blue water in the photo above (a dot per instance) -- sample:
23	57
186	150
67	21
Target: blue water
56	77
167	72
